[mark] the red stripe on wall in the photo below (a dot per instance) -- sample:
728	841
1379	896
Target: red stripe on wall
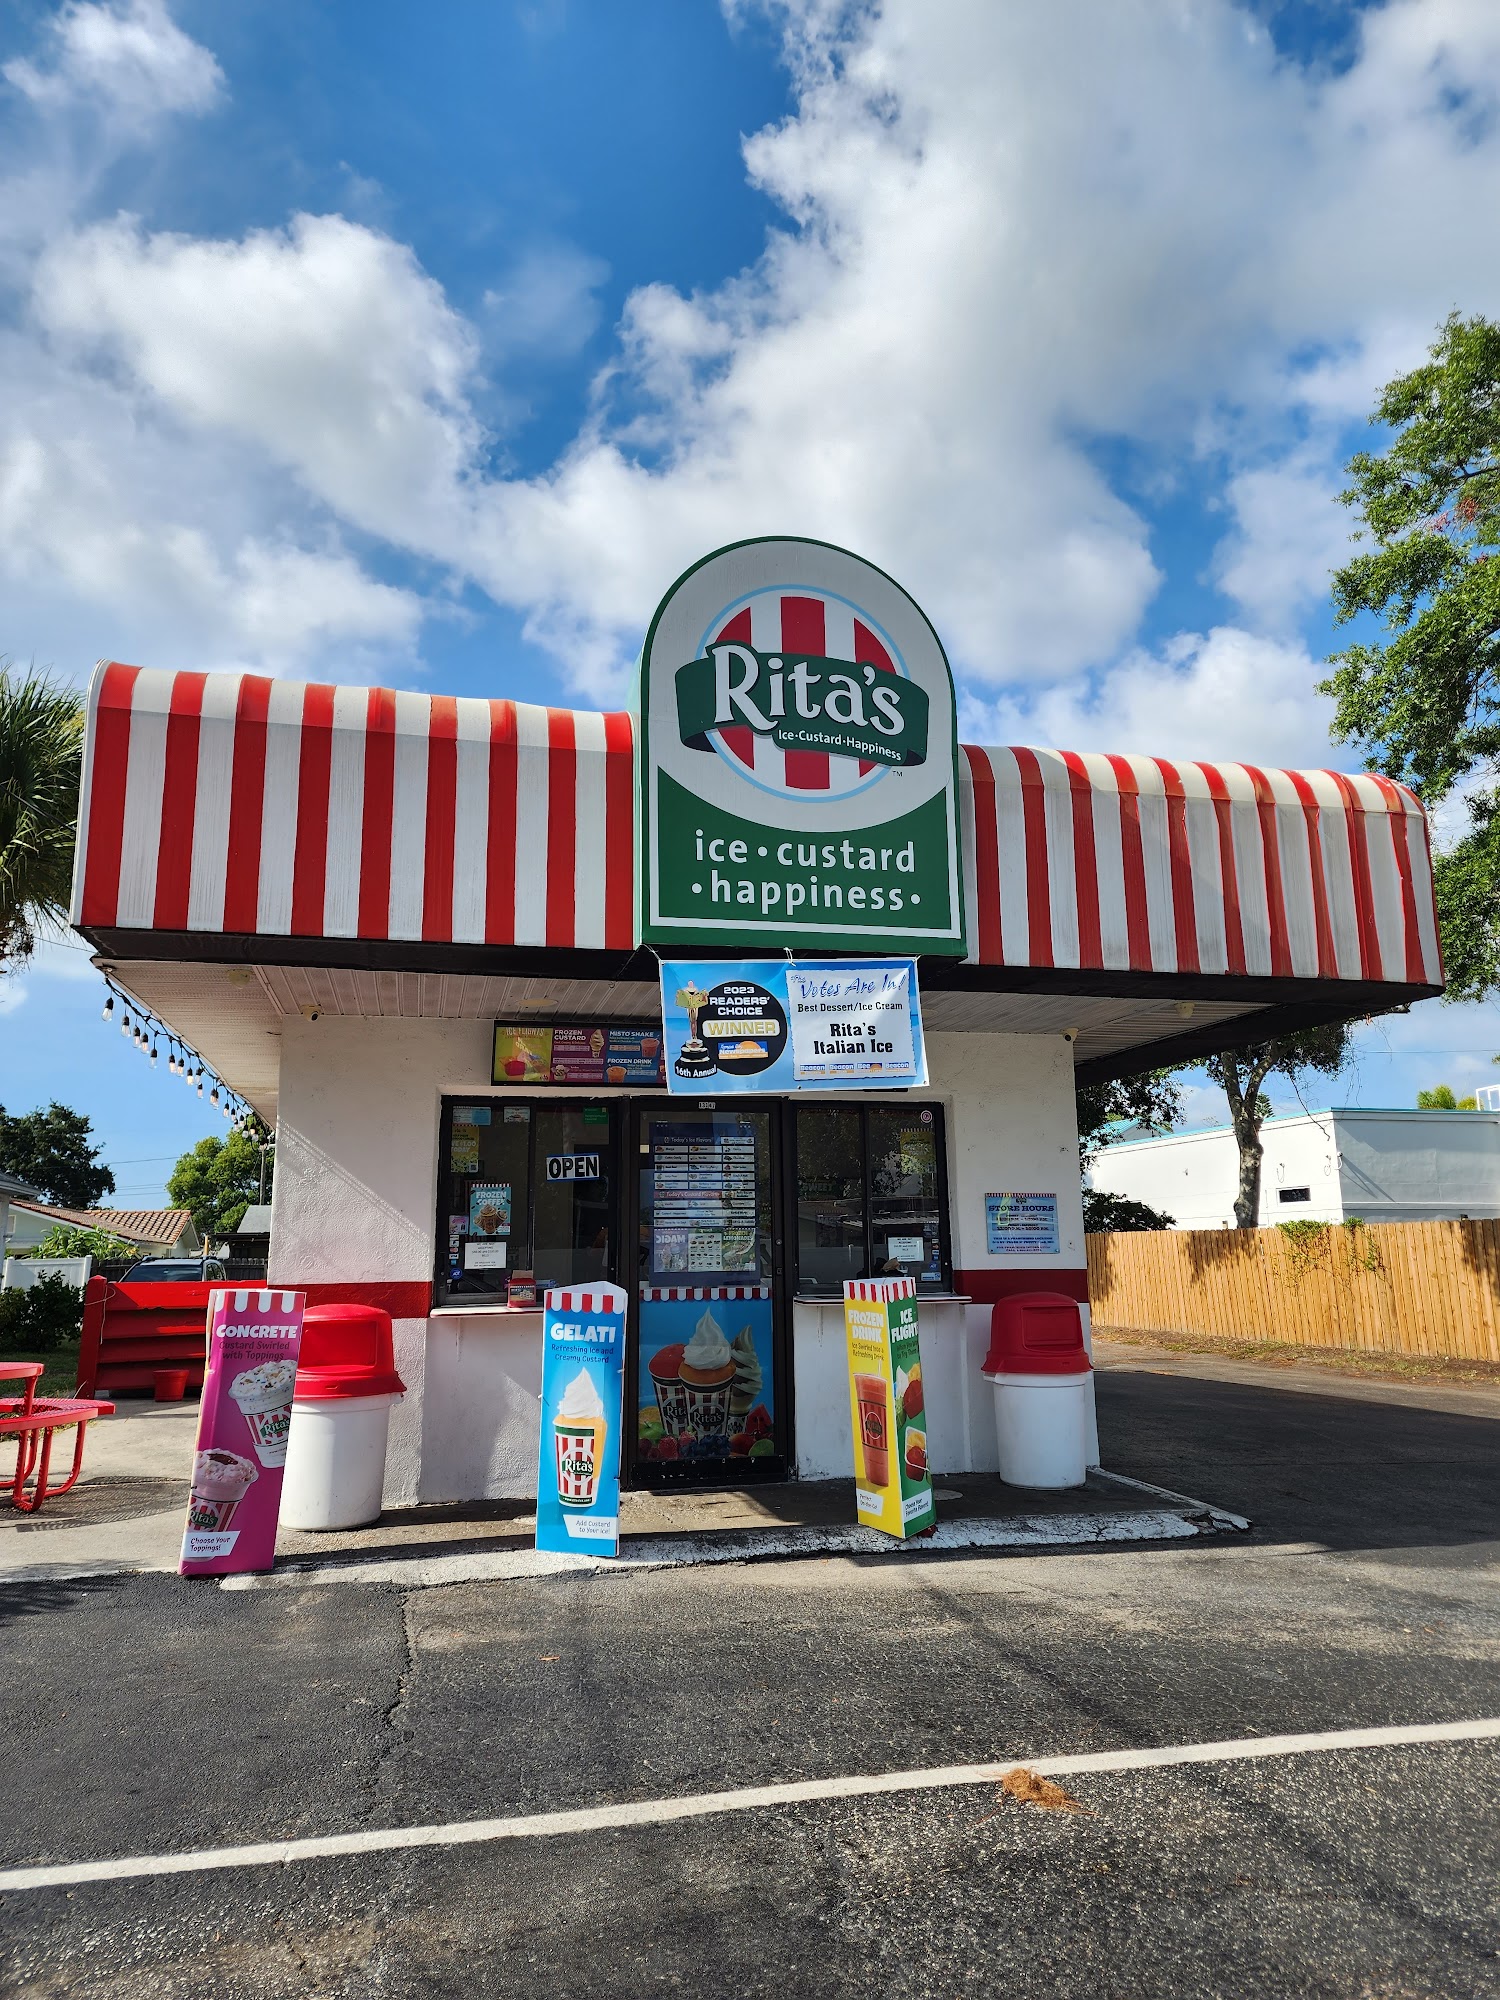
804	630
379	812
442	802
739	741
988	1287
247	787
1322	923
562	827
1270	840
1085	861
619	833
310	856
1359	868
402	1299
500	839
1179	856
1137	914
106	820
1038	885
1234	930
986	856
179	797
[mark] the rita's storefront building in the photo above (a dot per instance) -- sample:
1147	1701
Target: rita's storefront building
424	936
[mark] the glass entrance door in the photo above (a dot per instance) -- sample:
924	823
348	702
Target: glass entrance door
708	1350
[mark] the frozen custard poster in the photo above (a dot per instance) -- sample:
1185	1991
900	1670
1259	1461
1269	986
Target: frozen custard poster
705	1384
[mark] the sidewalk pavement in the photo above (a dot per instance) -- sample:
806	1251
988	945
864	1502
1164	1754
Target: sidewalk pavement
126	1514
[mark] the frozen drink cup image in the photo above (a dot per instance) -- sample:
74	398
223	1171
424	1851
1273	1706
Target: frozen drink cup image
221	1480
664	1368
708	1372
874	1440
578	1433
264	1394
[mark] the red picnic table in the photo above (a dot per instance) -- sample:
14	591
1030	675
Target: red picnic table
33	1421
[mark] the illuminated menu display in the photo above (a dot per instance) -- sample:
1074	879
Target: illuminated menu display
579	1054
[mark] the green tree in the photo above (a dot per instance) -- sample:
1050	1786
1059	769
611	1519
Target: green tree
1442	1099
1423	703
219	1179
1240	1073
63	1239
41	750
51	1150
1152	1100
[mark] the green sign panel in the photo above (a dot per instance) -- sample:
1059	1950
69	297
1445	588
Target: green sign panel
799	759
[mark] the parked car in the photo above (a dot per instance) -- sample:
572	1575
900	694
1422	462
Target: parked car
176	1271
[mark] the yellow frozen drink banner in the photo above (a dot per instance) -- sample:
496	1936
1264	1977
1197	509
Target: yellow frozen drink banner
892	1485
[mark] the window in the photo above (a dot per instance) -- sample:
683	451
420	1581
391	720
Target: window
872	1195
523	1186
1294	1194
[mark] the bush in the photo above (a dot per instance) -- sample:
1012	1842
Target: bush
13	1318
46	1315
1104	1212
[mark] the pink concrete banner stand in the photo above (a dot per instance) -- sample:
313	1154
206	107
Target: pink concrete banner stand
243	1426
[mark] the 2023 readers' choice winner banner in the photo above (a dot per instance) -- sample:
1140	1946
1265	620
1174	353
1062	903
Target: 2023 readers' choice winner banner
244	1421
892	1485
583	1377
799	758
778	1025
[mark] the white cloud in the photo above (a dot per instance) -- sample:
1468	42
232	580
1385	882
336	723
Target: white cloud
1013	234
547	305
133	60
1228	697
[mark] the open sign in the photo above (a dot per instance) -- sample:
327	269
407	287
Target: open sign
573	1167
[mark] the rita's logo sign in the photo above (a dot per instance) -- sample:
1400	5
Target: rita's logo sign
790	688
810	717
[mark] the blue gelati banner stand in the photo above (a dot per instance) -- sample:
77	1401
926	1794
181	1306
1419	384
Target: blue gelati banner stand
583	1376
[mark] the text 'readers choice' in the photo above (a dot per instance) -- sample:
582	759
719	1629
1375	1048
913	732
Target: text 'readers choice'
798	761
773	1025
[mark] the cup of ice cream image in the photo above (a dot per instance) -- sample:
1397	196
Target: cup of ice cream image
578	1433
665	1369
221	1479
707	1374
746	1388
264	1394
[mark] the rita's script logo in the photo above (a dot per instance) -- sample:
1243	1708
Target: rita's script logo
806	703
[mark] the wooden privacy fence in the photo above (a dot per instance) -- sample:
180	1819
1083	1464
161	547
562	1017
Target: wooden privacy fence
1390	1287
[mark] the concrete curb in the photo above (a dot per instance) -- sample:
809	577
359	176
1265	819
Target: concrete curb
1023	1531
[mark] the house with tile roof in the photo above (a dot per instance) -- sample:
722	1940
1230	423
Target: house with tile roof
161	1232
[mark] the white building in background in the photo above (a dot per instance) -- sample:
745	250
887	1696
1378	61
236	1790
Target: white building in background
1384	1166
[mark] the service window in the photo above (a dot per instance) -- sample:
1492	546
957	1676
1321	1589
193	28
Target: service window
524	1186
872	1195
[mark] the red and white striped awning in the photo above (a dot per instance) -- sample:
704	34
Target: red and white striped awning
235	806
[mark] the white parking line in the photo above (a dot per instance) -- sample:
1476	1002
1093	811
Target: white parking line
652	1812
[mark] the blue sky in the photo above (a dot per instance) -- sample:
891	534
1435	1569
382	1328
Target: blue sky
426	346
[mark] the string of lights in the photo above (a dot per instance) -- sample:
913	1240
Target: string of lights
154	1039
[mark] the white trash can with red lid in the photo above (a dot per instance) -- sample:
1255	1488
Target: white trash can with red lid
1042	1378
341	1415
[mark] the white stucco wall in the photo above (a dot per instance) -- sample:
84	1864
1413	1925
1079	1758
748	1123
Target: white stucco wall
354	1202
1382	1165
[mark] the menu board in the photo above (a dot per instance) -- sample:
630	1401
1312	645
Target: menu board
579	1055
704	1216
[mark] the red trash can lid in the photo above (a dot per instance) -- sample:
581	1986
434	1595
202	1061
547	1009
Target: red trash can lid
1036	1333
347	1350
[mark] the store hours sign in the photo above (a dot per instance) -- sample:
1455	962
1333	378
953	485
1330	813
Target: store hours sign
799	759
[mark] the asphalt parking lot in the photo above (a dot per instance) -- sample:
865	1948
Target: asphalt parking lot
160	1717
